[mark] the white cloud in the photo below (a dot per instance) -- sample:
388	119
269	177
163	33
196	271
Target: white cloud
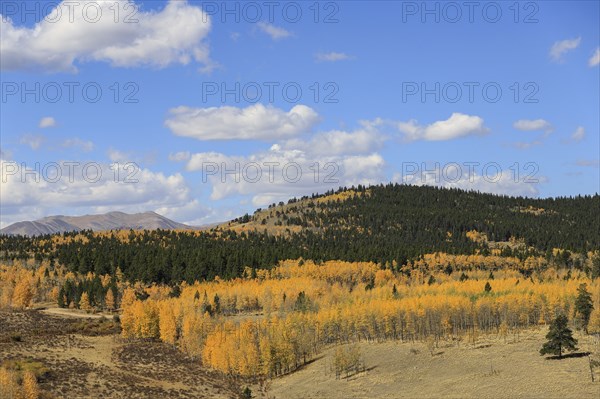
159	38
453	176
458	125
82	145
332	57
595	58
47	121
561	47
118	156
533	125
278	174
5	154
193	213
275	32
39	193
34	141
255	122
578	134
179	156
338	142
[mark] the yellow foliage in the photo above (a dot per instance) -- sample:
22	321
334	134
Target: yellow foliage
10	388
23	293
109	300
84	302
261	331
30	386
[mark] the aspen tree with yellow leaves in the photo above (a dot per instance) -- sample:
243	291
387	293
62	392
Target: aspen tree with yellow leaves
109	300
23	293
30	386
84	302
167	323
9	388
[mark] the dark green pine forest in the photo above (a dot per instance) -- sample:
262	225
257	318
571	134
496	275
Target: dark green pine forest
383	224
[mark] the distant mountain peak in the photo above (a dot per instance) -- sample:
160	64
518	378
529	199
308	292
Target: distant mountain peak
114	220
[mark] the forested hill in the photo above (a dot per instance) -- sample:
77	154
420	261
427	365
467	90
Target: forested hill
389	224
427	214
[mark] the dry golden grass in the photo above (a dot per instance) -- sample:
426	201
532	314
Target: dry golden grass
489	369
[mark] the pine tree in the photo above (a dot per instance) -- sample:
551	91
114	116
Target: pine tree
596	266
584	306
487	287
60	300
560	338
217	304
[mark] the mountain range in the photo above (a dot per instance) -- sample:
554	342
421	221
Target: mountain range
103	222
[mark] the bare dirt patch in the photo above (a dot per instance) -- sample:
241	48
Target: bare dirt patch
72	313
93	364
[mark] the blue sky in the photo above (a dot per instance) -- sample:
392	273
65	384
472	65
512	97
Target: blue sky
529	101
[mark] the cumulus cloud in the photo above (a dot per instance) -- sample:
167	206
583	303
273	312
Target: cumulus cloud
77	143
34	141
339	142
173	35
563	46
80	187
595	58
458	125
5	154
279	173
118	156
47	121
179	156
331	57
195	213
275	32
255	122
533	125
455	176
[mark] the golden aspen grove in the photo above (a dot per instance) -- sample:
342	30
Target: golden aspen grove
273	323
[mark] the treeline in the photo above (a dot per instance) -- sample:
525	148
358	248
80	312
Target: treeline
381	224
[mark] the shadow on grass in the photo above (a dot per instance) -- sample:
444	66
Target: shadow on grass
356	375
569	355
308	362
